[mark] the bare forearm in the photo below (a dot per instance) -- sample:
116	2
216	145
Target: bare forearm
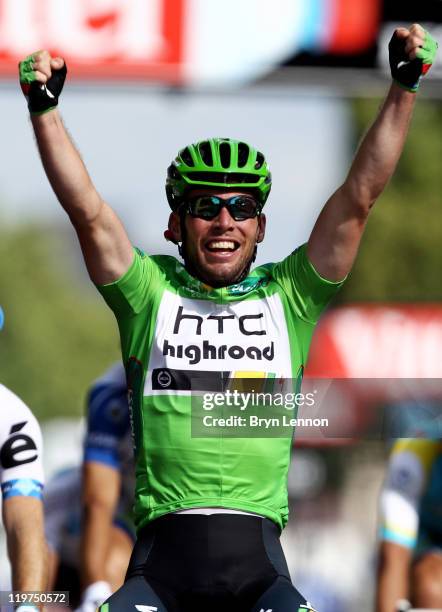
391	588
28	556
393	576
65	169
380	150
27	551
96	536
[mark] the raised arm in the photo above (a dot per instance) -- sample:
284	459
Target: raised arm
334	241
106	247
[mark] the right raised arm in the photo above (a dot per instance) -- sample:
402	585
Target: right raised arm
106	247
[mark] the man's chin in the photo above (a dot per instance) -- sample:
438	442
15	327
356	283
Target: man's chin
220	276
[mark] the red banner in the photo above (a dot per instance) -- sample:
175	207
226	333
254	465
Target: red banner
99	38
354	26
388	341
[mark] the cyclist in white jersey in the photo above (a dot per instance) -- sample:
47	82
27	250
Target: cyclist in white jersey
209	511
21	477
21	474
22	480
92	537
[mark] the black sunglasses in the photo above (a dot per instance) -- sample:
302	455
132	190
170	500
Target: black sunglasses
208	207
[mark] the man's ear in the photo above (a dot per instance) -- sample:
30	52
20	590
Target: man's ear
173	233
261	228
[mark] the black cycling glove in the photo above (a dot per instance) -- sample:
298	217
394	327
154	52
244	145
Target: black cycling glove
41	97
406	72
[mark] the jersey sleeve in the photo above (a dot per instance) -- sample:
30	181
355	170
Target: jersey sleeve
403	490
107	424
21	453
304	287
128	295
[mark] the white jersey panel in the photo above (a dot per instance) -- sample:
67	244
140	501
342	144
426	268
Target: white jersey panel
243	338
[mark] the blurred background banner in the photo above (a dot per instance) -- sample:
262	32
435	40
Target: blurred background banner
378	341
184	41
99	38
204	43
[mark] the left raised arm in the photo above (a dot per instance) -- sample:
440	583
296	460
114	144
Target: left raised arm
334	241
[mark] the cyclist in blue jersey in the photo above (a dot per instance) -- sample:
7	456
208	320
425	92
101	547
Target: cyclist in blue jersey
92	537
21	477
209	511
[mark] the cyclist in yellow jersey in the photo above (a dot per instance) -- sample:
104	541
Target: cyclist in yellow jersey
410	565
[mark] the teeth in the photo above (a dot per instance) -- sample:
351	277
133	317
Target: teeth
222	244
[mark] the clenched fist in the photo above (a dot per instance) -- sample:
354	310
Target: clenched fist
42	78
412	52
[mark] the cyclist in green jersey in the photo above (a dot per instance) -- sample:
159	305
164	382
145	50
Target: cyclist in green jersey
209	510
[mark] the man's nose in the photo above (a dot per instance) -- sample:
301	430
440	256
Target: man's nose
224	219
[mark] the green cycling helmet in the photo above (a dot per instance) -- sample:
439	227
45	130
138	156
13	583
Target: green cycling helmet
218	162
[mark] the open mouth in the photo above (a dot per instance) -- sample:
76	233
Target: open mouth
222	246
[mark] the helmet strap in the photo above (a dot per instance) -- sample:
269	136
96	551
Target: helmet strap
246	270
181	245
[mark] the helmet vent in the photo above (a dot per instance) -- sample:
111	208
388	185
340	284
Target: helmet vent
221	178
259	161
224	153
243	154
186	157
206	153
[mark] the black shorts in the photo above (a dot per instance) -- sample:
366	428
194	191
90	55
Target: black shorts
199	563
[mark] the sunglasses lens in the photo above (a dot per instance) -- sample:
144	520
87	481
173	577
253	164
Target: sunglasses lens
205	207
208	207
243	207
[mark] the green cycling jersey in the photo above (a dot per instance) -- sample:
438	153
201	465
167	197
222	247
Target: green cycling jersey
173	327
